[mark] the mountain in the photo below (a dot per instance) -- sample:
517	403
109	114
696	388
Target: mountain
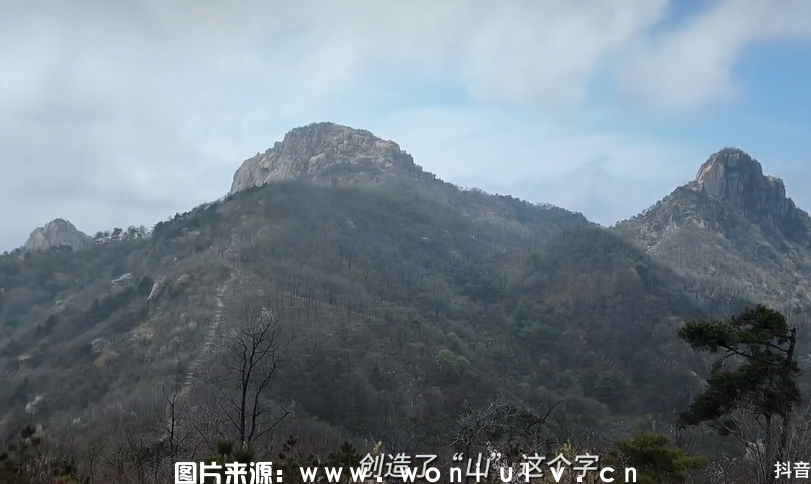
57	233
394	299
733	230
407	296
327	153
406	303
330	154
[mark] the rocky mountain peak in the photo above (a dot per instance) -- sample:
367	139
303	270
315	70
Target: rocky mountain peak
56	233
326	153
736	178
733	228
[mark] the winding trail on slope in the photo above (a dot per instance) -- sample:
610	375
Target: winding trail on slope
208	349
205	355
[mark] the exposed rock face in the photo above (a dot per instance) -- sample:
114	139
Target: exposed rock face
326	153
57	233
331	154
122	281
735	232
735	177
157	289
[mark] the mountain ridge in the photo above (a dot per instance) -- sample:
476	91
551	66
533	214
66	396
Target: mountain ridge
732	227
331	154
366	271
409	297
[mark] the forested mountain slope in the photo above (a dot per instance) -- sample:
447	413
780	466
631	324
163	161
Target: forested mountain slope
395	299
405	300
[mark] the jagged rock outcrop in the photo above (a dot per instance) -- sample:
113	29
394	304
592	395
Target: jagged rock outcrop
735	177
122	280
326	153
734	231
57	233
157	289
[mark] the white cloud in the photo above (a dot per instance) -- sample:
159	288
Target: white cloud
114	113
608	175
693	65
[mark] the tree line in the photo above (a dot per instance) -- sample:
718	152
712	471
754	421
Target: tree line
752	396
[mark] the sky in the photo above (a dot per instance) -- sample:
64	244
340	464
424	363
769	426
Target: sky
124	113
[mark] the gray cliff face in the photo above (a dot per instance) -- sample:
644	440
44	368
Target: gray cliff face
57	233
735	177
326	153
731	175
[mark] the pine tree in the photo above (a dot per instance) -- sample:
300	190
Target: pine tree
655	458
762	383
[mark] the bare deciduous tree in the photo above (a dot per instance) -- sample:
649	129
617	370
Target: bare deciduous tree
758	462
254	352
687	439
499	426
753	433
93	458
175	437
400	433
